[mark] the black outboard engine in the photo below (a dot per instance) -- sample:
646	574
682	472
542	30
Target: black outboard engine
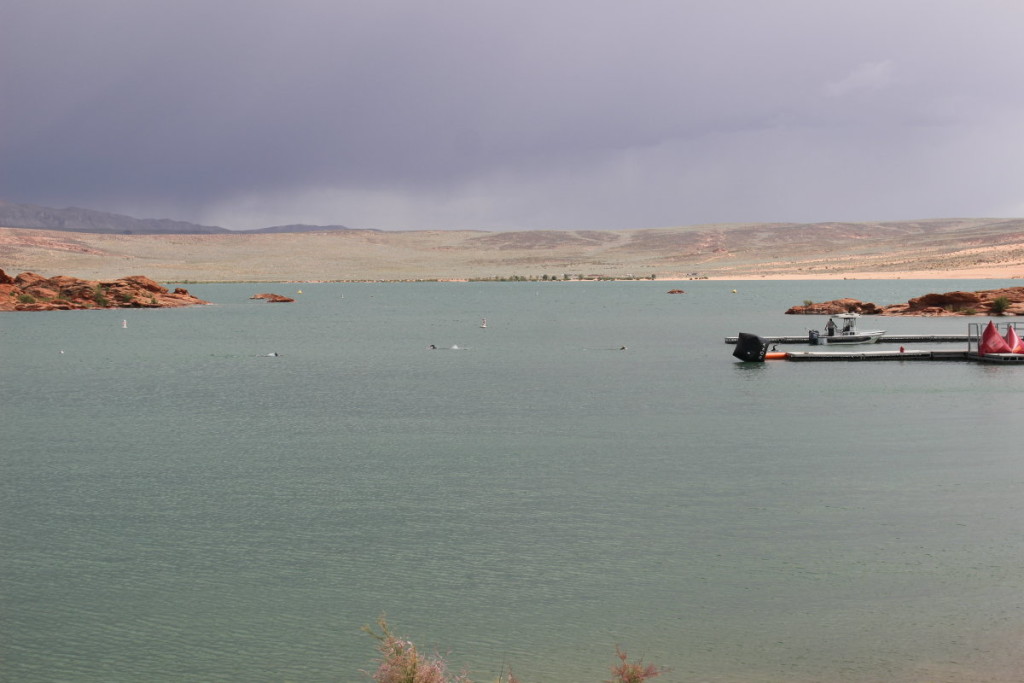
750	347
813	337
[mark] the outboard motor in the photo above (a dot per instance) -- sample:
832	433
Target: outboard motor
750	347
813	337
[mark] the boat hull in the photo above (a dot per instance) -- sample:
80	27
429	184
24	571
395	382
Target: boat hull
859	338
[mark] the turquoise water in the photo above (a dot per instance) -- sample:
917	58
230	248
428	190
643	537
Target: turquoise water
176	507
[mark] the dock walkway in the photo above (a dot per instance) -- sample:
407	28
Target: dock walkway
907	355
875	355
886	338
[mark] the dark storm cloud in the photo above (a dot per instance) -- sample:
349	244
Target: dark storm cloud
469	113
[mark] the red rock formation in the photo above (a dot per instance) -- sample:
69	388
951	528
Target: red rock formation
33	292
837	306
948	304
272	298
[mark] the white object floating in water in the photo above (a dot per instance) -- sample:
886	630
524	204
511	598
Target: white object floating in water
734	291
300	291
124	323
483	323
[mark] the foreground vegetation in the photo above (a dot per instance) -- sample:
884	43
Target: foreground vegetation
401	661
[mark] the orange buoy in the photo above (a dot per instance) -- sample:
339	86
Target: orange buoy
776	355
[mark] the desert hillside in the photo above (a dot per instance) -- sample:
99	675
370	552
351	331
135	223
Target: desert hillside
927	248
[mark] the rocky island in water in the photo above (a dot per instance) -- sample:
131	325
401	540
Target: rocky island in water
1007	301
32	292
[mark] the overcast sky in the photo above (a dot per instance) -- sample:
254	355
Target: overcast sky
553	114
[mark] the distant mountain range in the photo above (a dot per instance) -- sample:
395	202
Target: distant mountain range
95	244
74	219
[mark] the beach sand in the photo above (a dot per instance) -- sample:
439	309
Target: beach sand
986	273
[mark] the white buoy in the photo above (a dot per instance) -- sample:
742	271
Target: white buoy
483	323
124	323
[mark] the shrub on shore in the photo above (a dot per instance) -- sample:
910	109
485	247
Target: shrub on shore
999	305
401	662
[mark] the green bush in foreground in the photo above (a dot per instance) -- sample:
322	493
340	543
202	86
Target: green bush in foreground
401	662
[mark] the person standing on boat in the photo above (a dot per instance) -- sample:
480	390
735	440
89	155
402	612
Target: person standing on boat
830	327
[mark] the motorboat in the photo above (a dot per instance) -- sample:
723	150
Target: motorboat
844	331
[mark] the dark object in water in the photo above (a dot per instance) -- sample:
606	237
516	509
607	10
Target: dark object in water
750	347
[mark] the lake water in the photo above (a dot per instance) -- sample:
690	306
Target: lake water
176	507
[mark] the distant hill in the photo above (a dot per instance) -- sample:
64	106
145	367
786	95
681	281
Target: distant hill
932	248
299	227
74	219
86	220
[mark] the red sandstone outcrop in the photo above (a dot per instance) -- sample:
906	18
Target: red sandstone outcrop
33	292
272	298
951	303
837	306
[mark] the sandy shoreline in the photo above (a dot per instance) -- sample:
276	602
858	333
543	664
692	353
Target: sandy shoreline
914	275
993	273
997	272
976	273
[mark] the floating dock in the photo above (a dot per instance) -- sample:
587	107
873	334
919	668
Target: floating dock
906	355
994	343
885	338
875	355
